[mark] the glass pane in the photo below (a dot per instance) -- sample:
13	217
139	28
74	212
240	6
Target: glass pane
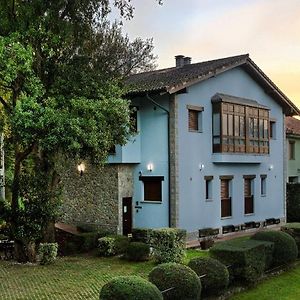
236	125
224	124
216	124
242	126
261	128
266	135
255	127
230	124
251	127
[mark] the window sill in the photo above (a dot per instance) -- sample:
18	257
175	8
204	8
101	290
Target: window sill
249	215
226	218
209	200
264	195
195	131
149	201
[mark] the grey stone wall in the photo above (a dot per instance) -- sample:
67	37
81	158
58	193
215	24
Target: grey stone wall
96	196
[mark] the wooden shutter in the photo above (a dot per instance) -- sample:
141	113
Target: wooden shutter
193	120
248	196
225	199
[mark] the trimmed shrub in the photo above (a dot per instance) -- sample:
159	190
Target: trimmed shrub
112	245
47	253
178	281
216	277
169	244
285	248
293	229
142	235
130	288
293	202
137	251
89	240
247	258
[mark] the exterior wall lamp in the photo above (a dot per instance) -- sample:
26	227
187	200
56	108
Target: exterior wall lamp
81	168
150	167
271	167
201	167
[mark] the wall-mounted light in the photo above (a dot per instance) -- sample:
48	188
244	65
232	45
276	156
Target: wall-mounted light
81	168
150	167
271	167
201	167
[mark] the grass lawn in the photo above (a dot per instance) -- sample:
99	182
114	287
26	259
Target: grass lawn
76	277
285	286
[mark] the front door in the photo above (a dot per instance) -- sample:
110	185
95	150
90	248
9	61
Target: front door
127	215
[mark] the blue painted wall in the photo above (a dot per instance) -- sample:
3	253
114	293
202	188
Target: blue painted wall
194	211
152	124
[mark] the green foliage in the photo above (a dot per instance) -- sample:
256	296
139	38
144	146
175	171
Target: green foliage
129	288
142	235
89	240
169	244
216	277
293	202
247	259
285	248
112	245
184	281
47	253
293	229
137	251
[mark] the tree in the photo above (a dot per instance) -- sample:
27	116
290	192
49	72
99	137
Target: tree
61	63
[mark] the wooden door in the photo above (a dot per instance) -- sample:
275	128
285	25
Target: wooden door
127	215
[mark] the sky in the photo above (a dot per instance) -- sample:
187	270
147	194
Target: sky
269	30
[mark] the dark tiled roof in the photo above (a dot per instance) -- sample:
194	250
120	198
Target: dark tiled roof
174	79
292	126
171	78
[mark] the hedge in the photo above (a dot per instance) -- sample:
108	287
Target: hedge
216	277
285	248
168	244
142	235
247	259
112	245
137	251
130	288
293	229
293	202
176	281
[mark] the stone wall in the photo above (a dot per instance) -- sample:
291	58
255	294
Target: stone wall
96	196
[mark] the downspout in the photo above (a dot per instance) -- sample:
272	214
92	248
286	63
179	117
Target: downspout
169	164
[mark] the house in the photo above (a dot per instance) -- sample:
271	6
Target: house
208	152
293	149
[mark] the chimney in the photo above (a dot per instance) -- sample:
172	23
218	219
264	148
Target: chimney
181	60
187	60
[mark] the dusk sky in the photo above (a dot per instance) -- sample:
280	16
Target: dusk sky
269	30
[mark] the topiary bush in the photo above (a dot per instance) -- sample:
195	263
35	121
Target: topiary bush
285	248
112	245
216	277
183	282
130	288
168	245
293	229
247	258
47	253
137	251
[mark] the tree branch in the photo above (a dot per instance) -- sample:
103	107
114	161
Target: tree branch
5	105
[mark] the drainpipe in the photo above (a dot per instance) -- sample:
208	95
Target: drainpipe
169	169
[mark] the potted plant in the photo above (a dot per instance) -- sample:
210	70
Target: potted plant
207	236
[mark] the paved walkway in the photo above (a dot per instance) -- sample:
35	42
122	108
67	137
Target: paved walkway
233	235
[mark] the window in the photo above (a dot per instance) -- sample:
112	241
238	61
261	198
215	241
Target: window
239	126
208	187
248	194
263	185
272	129
152	188
195	118
133	118
226	210
291	150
